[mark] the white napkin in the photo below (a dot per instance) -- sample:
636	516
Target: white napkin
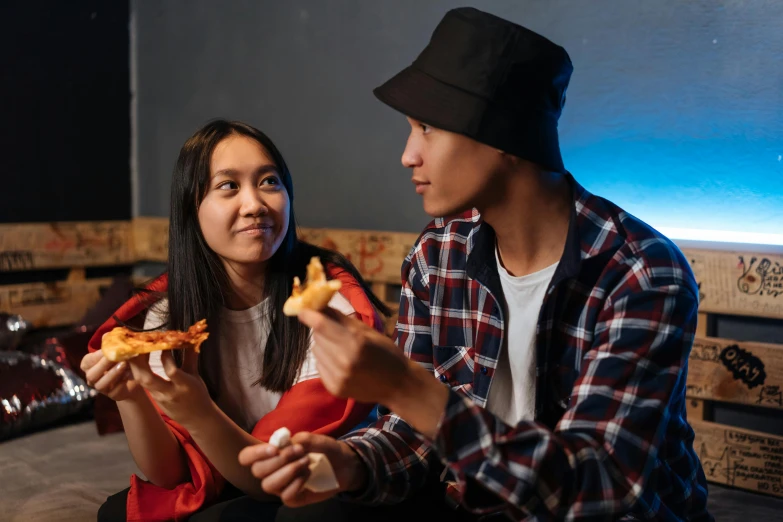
322	477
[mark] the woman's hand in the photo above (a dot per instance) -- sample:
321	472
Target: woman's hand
113	380
284	472
184	395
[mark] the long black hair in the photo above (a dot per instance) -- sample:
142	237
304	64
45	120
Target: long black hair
197	280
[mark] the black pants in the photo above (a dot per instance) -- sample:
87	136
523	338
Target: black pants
233	506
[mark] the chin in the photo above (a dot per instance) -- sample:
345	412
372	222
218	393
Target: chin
438	211
252	257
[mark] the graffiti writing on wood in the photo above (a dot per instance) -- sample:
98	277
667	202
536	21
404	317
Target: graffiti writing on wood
37	296
743	365
723	466
705	352
16	260
370	262
770	396
764	278
98	238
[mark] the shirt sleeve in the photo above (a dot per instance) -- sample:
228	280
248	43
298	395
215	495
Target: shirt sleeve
398	462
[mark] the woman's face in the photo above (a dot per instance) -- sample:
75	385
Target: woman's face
244	215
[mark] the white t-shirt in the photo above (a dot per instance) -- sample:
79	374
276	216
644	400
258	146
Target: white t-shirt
512	395
243	337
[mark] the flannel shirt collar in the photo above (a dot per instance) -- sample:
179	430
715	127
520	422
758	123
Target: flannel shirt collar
592	230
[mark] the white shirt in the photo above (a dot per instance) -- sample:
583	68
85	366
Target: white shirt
243	337
512	395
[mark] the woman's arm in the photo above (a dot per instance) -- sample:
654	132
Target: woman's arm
155	450
154	447
221	440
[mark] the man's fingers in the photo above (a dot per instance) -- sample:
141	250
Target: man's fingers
279	480
265	466
329	322
293	494
256	452
336	315
303	438
315	443
313	319
329	372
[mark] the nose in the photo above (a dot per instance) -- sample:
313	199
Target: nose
252	203
411	157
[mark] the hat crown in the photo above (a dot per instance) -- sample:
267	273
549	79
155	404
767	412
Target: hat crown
497	60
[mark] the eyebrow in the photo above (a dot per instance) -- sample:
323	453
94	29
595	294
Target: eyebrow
263	169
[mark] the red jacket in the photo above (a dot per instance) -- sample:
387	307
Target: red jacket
307	406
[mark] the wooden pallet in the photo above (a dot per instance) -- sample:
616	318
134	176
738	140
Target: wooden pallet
73	246
728	371
720	370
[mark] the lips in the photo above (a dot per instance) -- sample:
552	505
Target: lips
256	228
420	185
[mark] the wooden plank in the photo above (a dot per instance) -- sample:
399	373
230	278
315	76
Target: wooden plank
52	304
377	255
738	283
696	409
741	458
390	323
151	239
701	324
35	246
738	372
381	291
77	274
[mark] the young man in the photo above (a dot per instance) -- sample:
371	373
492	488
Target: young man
557	327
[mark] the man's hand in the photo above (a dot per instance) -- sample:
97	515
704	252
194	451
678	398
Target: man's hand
356	361
284	472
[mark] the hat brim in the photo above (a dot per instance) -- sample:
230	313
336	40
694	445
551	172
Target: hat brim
532	136
428	100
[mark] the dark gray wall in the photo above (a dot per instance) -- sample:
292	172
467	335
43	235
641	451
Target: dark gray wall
675	110
303	71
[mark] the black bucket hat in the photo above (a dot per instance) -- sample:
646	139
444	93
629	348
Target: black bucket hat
491	80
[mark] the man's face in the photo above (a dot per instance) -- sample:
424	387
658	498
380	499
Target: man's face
452	172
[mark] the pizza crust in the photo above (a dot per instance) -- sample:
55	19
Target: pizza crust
316	292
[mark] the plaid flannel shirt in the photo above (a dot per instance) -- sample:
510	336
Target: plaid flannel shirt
610	439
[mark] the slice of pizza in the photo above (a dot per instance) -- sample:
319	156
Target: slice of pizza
316	292
121	344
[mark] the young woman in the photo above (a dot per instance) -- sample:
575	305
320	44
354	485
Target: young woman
233	254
